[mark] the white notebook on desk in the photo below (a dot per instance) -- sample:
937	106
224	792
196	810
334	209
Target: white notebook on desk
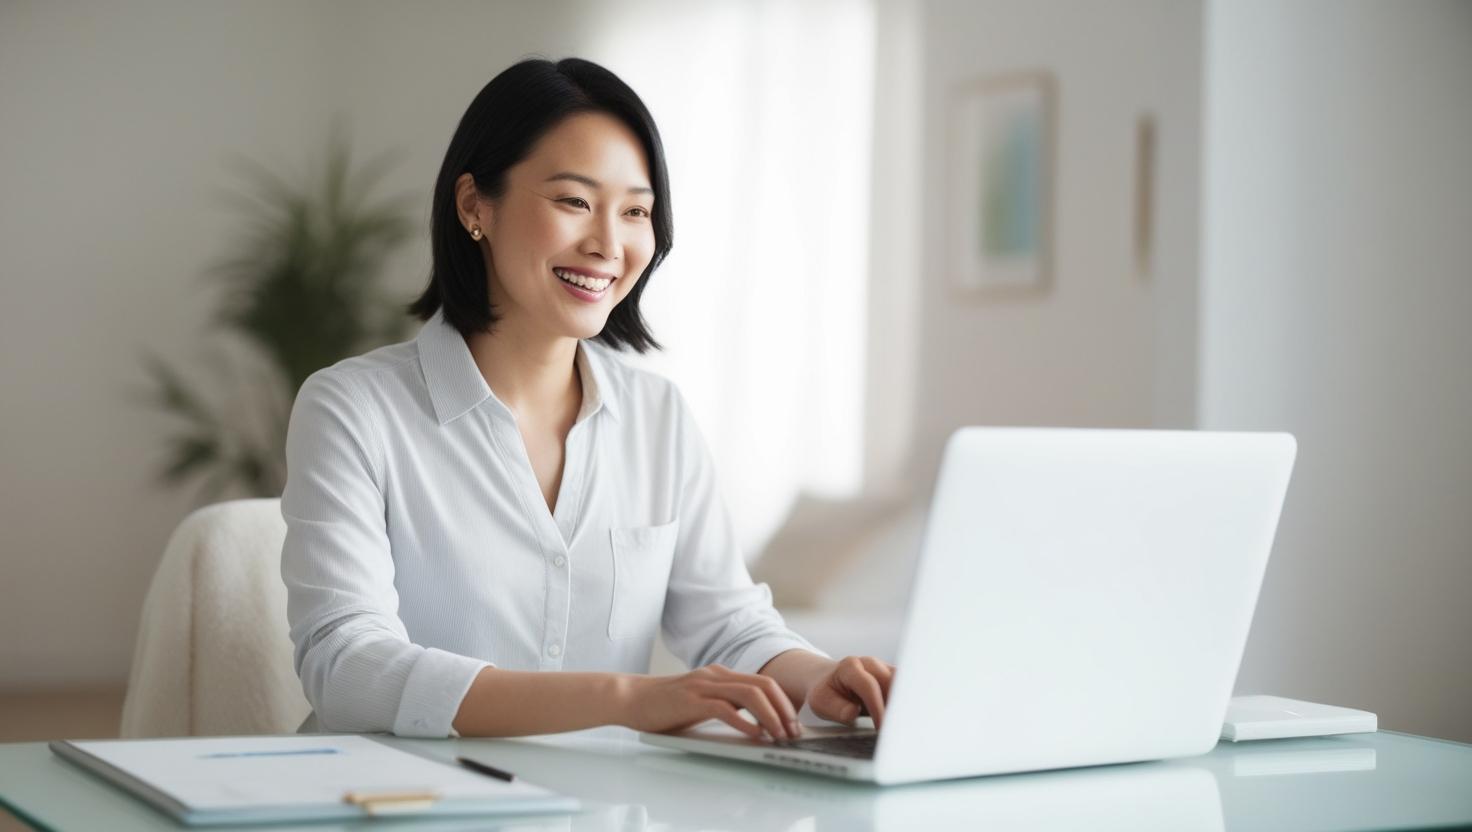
209	781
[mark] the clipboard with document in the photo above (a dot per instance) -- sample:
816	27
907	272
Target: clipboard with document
209	781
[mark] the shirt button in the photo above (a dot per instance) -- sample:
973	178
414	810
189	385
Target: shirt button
554	650
560	561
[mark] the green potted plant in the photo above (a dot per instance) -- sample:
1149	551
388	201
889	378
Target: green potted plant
301	293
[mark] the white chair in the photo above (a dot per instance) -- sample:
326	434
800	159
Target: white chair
213	655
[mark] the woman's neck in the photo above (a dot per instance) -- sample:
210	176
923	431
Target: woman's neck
536	376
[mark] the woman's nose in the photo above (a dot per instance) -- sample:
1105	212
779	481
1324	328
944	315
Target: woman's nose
602	239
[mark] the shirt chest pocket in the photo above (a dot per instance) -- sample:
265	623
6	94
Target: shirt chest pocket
642	558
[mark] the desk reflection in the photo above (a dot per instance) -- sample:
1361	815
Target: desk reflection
1147	796
1273	762
626	785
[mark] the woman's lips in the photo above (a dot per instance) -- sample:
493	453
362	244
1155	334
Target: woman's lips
585	295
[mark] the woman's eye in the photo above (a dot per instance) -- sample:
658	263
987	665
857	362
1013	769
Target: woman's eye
639	211
574	201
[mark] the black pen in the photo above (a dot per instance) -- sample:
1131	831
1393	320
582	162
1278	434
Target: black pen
489	771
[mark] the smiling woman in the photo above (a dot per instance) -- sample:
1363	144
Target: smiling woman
592	234
537	138
502	496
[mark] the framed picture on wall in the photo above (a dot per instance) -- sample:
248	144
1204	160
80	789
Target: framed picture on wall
999	189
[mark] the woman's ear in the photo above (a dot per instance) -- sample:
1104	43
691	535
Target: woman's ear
473	211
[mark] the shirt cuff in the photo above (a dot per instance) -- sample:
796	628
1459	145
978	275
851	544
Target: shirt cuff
432	695
766	648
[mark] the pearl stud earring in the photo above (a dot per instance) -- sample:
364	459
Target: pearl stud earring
475	232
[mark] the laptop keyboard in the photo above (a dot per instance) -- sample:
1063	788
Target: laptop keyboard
860	746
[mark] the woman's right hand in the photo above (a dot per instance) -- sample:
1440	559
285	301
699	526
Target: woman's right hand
672	703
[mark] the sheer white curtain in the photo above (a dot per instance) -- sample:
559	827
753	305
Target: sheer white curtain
765	108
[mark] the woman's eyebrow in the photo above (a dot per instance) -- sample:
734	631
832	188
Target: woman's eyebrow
568	176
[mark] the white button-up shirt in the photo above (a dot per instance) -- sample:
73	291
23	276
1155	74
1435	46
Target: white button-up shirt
419	547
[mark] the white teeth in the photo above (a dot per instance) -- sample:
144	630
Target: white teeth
592	284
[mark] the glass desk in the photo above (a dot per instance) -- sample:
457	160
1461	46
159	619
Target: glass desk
1353	782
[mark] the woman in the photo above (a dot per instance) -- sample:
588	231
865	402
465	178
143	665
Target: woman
502	497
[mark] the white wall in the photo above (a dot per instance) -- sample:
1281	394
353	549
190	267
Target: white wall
895	248
1101	348
113	126
1337	288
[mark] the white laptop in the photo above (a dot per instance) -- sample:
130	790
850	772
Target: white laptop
1082	597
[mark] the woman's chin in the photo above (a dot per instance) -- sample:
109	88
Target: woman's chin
584	326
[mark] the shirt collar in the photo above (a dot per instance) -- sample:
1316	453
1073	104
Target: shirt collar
456	385
598	391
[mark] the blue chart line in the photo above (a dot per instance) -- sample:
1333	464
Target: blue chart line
293	753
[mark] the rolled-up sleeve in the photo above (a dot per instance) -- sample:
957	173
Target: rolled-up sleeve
358	668
714	613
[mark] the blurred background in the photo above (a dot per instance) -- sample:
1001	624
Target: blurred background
1234	215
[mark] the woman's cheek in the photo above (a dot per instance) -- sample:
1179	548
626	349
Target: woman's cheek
646	253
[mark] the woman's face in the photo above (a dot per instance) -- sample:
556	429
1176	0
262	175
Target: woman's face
575	211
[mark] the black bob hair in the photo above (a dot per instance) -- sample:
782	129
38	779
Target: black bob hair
507	117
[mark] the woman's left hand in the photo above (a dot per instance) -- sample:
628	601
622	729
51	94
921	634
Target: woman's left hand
854	686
